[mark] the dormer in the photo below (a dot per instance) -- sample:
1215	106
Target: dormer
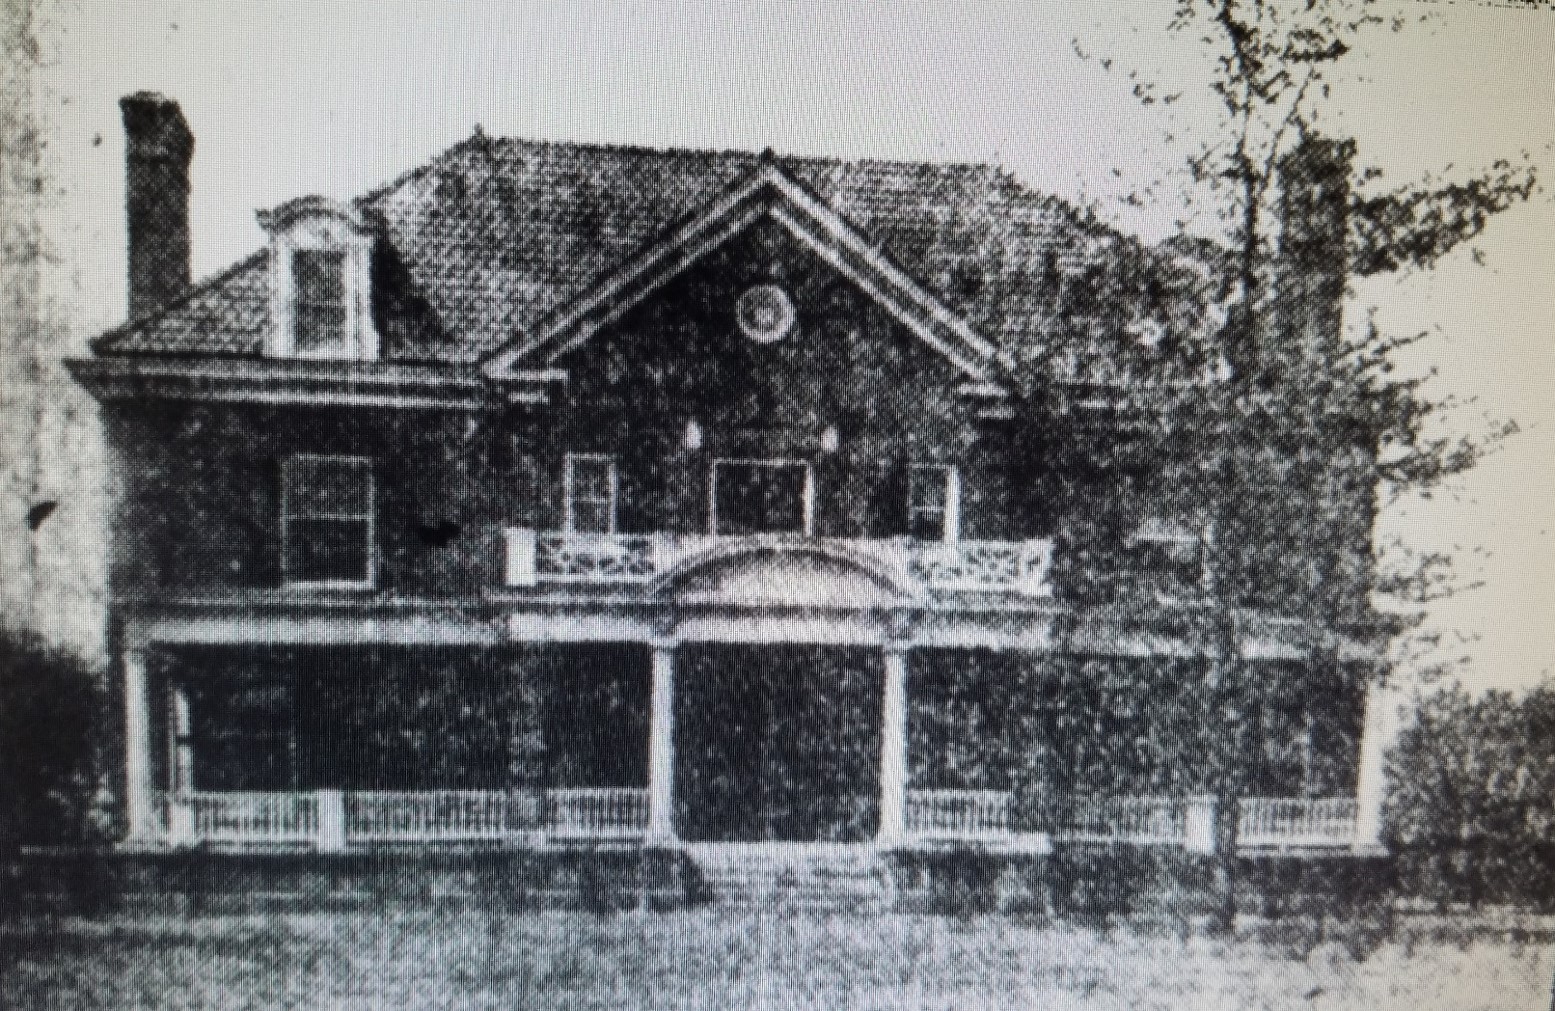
320	281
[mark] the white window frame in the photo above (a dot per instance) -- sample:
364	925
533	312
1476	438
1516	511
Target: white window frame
371	516
317	224
807	496
949	515
1175	533
569	490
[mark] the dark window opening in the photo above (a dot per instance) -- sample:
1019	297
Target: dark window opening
761	497
327	520
319	276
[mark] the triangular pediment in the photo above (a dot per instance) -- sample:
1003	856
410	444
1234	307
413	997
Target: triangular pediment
770	195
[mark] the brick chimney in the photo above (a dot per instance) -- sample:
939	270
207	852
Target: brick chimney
1314	258
158	146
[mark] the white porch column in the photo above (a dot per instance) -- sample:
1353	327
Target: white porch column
893	750
139	790
1378	733
661	747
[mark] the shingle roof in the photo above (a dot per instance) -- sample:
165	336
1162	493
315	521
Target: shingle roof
494	234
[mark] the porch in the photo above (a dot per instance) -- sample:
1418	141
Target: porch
659	746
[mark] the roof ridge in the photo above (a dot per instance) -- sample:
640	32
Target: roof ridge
102	342
383	189
753	155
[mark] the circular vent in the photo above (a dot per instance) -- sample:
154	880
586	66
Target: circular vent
764	313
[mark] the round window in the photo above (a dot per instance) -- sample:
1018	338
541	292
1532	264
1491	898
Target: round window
764	313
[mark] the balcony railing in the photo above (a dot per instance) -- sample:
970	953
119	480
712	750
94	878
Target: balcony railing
336	820
535	557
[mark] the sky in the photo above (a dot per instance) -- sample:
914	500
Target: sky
290	98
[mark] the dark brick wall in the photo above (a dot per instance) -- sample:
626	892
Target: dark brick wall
201	483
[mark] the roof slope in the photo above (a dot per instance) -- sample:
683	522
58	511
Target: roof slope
494	235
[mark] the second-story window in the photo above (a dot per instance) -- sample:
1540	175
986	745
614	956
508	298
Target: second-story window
327	521
319	283
933	502
1169	554
590	487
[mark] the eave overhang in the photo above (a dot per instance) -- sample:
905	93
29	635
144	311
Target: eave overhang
393	385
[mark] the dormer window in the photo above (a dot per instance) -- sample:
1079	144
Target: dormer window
321	291
319	301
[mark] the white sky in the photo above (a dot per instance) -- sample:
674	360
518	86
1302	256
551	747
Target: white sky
287	98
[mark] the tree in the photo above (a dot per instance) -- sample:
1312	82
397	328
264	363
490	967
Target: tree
1470	793
50	727
1275	432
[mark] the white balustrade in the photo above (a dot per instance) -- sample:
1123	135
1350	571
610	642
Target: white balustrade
958	814
969	566
440	815
595	558
243	818
1019	566
1136	820
1296	822
597	813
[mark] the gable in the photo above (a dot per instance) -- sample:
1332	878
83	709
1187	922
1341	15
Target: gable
845	360
770	198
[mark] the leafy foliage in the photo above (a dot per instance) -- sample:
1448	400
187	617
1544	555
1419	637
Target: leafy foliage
1471	802
51	718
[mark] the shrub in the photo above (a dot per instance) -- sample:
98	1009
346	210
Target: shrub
1471	799
50	720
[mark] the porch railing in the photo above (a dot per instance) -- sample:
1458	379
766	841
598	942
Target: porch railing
441	815
597	814
1262	822
1295	822
535	557
336	820
240	818
958	814
1143	821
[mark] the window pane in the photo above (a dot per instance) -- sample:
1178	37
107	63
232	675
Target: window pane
327	549
760	498
330	486
928	487
320	326
320	275
320	279
590	479
926	524
591	517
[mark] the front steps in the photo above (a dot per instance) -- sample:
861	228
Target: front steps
792	876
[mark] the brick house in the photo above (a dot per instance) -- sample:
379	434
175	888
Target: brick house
558	496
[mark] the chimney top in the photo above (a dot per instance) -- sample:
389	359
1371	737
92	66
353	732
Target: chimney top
155	127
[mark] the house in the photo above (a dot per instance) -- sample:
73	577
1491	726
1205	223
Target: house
556	496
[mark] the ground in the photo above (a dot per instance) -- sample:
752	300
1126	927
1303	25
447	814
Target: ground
711	959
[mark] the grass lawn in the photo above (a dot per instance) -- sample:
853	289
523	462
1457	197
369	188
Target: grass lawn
704	959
